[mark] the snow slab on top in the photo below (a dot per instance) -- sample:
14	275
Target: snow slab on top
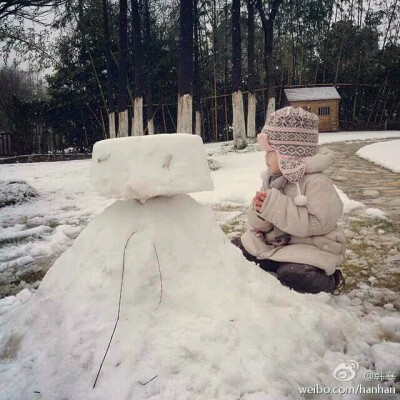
384	154
312	93
196	319
140	167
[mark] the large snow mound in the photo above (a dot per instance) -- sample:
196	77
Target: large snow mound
196	319
384	154
141	167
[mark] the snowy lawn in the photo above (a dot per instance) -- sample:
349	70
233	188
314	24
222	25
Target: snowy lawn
385	154
231	355
36	231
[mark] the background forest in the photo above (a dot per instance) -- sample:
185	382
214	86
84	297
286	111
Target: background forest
76	58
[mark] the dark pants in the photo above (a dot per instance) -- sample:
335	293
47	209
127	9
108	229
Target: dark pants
302	278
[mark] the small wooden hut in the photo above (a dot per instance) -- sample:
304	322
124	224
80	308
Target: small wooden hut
322	101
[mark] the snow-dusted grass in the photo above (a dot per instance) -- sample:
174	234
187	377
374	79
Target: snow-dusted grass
384	154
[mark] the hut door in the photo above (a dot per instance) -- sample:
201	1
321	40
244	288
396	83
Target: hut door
325	121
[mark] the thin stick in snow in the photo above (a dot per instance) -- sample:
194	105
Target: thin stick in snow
147	381
159	270
119	309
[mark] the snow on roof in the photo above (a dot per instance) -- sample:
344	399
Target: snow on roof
312	93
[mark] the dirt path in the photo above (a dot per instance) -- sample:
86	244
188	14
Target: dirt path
364	181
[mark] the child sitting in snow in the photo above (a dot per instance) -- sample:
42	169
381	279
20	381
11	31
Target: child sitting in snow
294	217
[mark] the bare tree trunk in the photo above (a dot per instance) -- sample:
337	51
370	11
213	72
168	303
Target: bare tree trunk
214	44
138	103
380	101
123	70
292	68
316	72
251	109
147	57
368	10
268	26
226	69
197	104
87	47
390	116
239	128
389	25
359	12
384	110
110	69
351	10
376	99
338	61
356	91
185	105
103	125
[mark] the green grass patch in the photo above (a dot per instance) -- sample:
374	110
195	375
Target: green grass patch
236	226
374	223
53	223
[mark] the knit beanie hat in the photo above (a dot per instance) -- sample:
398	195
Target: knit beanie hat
293	133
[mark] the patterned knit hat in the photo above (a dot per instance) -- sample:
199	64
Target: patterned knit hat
293	133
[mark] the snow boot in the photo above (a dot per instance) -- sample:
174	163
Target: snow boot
339	282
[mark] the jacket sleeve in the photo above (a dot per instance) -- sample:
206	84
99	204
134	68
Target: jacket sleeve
319	217
257	222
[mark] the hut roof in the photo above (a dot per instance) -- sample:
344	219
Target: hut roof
312	93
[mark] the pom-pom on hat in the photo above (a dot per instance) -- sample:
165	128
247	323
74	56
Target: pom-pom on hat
293	133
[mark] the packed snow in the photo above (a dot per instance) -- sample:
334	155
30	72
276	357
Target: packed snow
384	154
196	320
141	167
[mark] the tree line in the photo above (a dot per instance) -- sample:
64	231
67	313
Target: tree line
215	68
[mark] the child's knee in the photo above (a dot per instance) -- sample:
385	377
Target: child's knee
305	278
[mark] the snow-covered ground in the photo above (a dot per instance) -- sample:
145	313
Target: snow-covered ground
329	137
35	232
221	329
384	154
197	321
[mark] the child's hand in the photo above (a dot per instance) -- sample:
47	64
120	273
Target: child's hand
258	200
